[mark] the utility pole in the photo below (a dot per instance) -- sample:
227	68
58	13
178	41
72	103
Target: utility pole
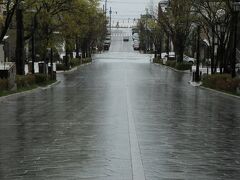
110	23
20	40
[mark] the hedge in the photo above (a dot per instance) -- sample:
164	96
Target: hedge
75	62
179	66
158	61
222	82
25	81
41	78
3	84
86	60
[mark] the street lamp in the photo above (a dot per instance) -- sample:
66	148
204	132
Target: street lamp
222	30
236	9
197	75
110	12
5	48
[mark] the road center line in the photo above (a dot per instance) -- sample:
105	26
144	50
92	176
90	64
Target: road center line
137	165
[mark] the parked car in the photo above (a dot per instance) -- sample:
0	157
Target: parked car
106	44
189	59
108	37
136	45
135	30
106	47
135	36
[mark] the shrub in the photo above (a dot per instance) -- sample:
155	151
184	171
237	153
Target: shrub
158	60
25	81
183	66
86	60
75	62
3	84
171	64
222	82
179	66
61	67
41	78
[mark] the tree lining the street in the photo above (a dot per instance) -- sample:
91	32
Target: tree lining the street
179	21
6	18
176	22
80	24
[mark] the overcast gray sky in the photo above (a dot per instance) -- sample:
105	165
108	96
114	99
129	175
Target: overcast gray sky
127	10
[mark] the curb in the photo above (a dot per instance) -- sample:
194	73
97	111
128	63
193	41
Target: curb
73	69
28	91
195	84
168	67
199	85
219	92
51	85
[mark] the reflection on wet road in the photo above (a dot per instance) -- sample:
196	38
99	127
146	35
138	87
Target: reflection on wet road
120	118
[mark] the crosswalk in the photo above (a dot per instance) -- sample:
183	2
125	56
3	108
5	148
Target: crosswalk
121	34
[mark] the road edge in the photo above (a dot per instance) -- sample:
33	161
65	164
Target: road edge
39	88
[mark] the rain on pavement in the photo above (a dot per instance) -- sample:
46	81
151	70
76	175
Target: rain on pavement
120	118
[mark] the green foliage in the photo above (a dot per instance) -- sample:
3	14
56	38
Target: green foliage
61	67
158	61
3	84
31	80
41	78
86	60
75	62
222	82
25	81
64	22
182	66
171	64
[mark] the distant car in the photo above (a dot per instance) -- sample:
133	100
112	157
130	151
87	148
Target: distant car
189	59
136	45
106	47
136	42
108	37
107	44
126	38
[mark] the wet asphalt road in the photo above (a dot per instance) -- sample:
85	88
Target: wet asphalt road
120	118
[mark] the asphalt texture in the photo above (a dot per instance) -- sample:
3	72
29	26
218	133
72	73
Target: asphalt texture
120	118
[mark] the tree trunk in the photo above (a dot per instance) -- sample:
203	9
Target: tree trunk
213	52
20	62
77	48
179	45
